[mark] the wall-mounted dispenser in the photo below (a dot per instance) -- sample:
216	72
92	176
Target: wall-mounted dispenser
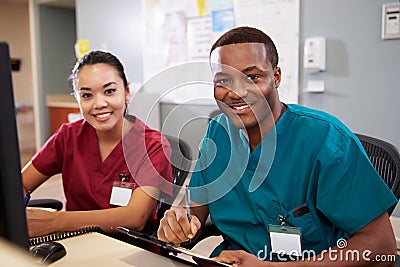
391	21
315	54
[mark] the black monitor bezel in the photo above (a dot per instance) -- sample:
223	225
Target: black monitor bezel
13	224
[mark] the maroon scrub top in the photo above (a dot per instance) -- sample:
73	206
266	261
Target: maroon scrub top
73	150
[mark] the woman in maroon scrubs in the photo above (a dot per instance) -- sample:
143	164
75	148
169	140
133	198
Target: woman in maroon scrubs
113	166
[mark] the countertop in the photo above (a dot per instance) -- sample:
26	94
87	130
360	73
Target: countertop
61	101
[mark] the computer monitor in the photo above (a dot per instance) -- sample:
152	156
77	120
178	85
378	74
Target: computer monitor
12	212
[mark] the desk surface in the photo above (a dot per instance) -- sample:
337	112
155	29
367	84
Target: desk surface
94	249
395	221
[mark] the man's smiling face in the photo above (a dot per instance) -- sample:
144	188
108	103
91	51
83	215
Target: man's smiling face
245	83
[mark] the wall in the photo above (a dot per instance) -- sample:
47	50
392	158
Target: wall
14	29
115	27
362	77
53	38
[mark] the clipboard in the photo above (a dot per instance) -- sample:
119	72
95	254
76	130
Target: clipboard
169	246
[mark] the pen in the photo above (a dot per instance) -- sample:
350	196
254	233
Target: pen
27	198
187	199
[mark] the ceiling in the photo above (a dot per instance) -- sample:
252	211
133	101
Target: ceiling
56	3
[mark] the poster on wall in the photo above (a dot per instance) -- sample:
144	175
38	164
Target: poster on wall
199	38
183	31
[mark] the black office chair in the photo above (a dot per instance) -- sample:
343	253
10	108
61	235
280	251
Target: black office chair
181	157
181	160
385	158
46	203
209	228
213	114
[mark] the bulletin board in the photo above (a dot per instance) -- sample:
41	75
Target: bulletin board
180	31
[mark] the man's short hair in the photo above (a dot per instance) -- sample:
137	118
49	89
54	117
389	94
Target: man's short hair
249	35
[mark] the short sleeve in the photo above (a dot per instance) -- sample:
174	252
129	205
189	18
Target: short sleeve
158	169
347	180
48	160
147	154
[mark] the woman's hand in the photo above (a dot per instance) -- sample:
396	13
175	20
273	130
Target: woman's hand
41	222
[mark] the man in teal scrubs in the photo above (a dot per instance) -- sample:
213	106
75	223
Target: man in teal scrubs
276	177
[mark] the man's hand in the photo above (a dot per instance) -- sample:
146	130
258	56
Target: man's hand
240	258
176	228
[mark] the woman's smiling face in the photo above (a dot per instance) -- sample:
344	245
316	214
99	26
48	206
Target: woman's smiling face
101	96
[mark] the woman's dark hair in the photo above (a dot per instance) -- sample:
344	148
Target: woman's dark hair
249	35
98	57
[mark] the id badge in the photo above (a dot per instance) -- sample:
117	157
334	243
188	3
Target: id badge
285	240
121	193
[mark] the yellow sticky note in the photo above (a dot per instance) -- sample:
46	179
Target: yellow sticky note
81	48
201	4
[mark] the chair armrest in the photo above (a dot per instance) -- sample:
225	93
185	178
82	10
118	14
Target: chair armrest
46	203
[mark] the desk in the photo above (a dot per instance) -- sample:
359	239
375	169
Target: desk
94	249
395	221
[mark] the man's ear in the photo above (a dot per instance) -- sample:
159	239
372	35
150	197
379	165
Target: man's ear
277	76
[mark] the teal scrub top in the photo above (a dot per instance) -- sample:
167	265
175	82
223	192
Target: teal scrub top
310	158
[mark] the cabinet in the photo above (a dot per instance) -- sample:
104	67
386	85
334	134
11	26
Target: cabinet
60	106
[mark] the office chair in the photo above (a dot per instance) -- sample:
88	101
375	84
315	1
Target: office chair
181	158
213	114
46	203
385	158
209	228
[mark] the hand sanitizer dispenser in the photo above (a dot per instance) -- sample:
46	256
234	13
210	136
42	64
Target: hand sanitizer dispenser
315	54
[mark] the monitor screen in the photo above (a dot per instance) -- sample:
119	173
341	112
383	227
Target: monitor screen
12	212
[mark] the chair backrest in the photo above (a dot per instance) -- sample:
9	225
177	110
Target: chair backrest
181	158
385	158
213	114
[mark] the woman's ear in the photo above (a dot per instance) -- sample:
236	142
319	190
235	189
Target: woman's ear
128	92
